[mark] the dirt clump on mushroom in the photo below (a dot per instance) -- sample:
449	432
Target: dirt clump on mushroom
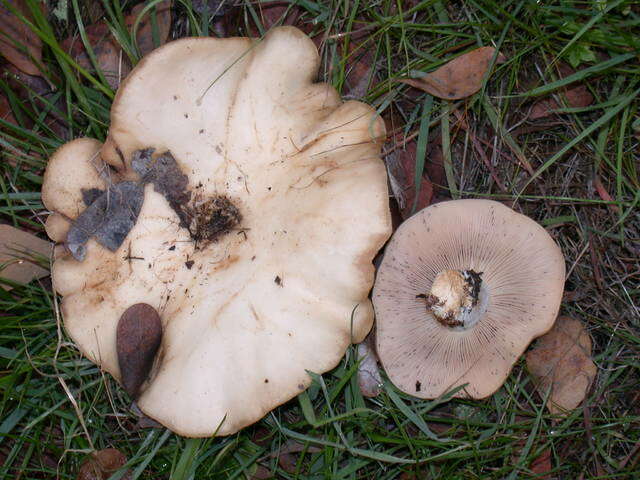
206	220
214	218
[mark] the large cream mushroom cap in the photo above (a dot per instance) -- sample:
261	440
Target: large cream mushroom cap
246	316
522	271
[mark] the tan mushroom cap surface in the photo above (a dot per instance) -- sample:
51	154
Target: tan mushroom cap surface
522	271
246	316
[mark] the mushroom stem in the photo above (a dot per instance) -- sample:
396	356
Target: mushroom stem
458	298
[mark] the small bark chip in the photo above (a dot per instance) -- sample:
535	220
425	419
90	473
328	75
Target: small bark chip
138	338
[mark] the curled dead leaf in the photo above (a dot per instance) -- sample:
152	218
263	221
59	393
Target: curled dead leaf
561	362
459	78
18	43
18	253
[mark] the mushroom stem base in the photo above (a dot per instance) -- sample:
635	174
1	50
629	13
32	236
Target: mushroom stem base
457	299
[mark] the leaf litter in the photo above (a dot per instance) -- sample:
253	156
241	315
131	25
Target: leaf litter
110	58
19	252
459	78
560	363
576	96
369	378
102	464
18	43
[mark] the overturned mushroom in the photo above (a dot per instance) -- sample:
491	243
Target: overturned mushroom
463	288
264	202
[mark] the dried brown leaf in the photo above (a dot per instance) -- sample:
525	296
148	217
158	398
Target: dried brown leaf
17	251
32	89
541	465
18	43
561	361
293	446
260	472
144	33
111	60
459	78
102	464
288	462
402	167
575	97
6	113
603	193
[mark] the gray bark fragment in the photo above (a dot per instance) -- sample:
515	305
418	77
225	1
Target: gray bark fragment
109	219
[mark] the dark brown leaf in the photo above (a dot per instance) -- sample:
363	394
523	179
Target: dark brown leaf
460	78
18	43
293	446
402	167
138	338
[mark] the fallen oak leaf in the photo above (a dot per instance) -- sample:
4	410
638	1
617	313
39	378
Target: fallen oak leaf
18	43
18	252
459	78
560	363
